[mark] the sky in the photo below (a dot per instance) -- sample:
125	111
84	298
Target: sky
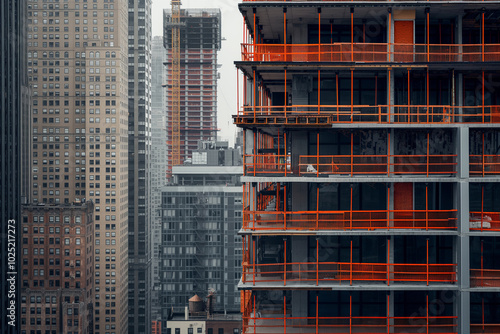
232	30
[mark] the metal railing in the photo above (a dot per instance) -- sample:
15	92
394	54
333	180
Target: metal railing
350	220
484	221
370	52
425	114
377	164
256	164
482	165
484	328
485	278
348	272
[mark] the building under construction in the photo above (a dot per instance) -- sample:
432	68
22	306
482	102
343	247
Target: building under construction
192	38
371	166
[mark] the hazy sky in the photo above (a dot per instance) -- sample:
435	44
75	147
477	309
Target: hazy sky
232	29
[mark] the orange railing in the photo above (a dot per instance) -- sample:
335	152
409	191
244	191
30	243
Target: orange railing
484	328
485	278
377	164
348	272
255	164
378	114
481	165
484	221
351	220
370	52
275	320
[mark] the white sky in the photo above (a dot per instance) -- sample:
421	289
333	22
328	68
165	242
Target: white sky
232	29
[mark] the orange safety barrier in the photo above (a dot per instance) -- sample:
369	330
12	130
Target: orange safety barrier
254	164
481	165
370	52
369	114
350	220
377	164
485	278
271	322
484	221
261	316
348	272
484	328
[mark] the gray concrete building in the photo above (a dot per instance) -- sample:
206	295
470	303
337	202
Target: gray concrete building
139	163
200	249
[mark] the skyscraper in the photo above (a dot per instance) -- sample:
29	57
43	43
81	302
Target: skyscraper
201	214
139	156
77	59
371	164
158	162
200	39
14	148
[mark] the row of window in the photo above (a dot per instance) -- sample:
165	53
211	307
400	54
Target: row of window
55	218
49	300
66	54
52	251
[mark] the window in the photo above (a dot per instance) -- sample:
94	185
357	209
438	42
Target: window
190	331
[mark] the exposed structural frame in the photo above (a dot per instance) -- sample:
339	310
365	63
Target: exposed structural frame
176	82
371	162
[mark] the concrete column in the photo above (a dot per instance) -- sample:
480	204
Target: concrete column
249	146
462	149
460	94
299	144
458	34
299	34
463	261
392	150
253	196
299	297
391	307
390	92
302	85
249	92
299	197
391	253
463	304
458	29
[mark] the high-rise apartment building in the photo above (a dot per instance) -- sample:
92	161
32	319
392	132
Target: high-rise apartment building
78	74
158	167
14	154
200	39
58	273
139	156
370	166
200	249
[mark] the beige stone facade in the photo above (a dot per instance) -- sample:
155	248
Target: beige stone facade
77	59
